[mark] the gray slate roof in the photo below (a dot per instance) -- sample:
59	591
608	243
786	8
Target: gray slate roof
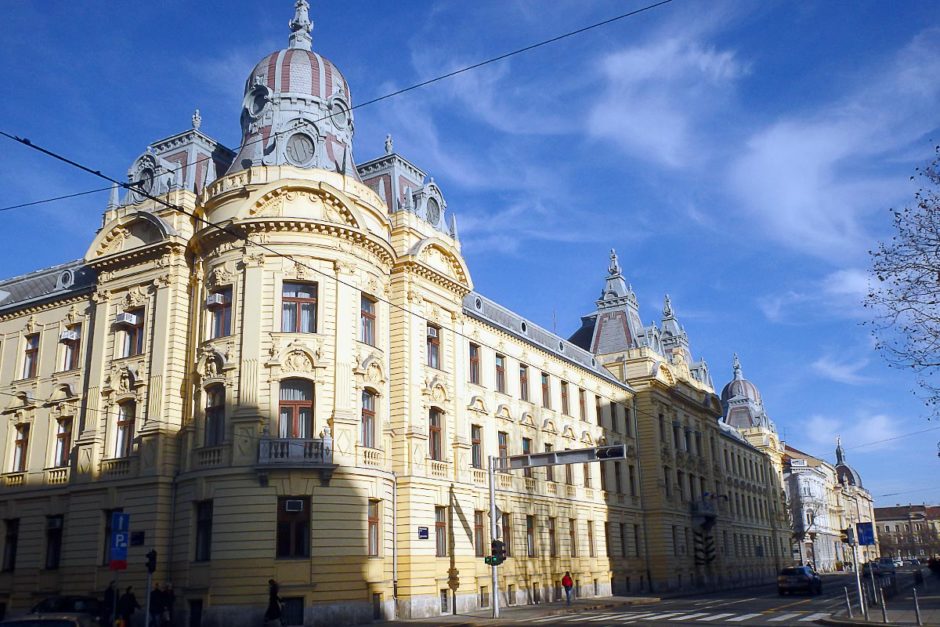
46	284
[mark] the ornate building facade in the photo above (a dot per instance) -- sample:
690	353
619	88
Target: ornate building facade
909	531
274	360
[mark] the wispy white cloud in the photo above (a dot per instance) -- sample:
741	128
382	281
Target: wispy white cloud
838	294
875	431
842	371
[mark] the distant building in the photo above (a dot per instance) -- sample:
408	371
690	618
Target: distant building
909	531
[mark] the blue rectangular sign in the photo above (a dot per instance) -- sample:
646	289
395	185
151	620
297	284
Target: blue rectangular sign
422	533
120	538
866	533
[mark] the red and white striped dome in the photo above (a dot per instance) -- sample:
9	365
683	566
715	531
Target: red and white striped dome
295	71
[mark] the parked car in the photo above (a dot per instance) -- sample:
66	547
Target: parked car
87	609
898	563
913	562
798	579
51	620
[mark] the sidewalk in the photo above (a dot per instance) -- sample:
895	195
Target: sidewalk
900	608
516	613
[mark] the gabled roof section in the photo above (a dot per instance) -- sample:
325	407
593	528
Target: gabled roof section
46	284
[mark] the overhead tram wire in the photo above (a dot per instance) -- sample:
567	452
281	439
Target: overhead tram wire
392	94
65	197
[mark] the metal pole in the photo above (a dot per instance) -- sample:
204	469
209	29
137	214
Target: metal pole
858	582
884	608
117	595
491	472
147	601
917	608
848	604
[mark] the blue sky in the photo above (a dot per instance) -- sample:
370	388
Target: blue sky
740	156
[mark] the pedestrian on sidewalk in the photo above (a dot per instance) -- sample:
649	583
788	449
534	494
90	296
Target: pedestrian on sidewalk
567	584
272	616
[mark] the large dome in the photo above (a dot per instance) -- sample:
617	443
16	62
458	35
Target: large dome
297	108
740	387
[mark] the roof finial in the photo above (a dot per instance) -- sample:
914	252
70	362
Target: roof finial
614	267
840	452
667	307
737	368
301	26
114	200
388	144
197	120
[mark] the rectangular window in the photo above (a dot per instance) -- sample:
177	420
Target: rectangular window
476	446
662	428
587	476
526	450
20	448
636	540
11	537
676	436
299	308
373	527
440	531
530	535
293	527
72	343
292	611
598	413
434	346
63	443
549	470
367	320
627	422
31	356
667	476
108	515
124	440
367	436
582	404
552	539
680	479
501	374
573	536
133	333
219	303
215	415
502	440
523	382
506	523
590	538
546	392
435	440
54	541
675	540
564	399
623	540
203	531
569	473
603	471
618	477
632	471
474	364
479	539
607	550
484	596
614	417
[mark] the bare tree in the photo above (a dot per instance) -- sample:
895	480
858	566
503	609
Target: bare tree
905	297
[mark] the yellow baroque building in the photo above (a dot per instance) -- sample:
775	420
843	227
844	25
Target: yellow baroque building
274	361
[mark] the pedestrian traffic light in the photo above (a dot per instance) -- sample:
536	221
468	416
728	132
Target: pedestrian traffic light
847	536
498	550
151	561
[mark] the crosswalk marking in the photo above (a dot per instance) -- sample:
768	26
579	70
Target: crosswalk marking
743	618
690	616
663	616
815	616
611	616
780	619
715	617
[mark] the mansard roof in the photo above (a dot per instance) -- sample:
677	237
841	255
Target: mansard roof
46	284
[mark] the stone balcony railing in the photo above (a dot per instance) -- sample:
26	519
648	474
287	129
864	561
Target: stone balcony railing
118	467
14	479
57	476
296	454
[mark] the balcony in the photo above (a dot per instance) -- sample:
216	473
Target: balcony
296	454
14	479
57	476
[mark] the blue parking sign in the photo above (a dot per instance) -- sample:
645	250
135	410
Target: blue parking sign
866	533
120	538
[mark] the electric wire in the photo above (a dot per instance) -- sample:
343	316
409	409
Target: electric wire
392	94
40	202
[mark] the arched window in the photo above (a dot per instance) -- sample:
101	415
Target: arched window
215	415
435	441
124	440
295	418
368	419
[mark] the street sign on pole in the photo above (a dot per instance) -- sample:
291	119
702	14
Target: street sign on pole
119	540
866	533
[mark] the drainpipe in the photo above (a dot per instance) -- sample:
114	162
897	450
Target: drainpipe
639	478
395	541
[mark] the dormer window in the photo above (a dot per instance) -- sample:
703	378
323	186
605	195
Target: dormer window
433	211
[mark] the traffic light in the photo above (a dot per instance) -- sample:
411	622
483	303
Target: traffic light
616	451
151	561
498	550
847	536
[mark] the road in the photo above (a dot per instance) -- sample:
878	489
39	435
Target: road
754	606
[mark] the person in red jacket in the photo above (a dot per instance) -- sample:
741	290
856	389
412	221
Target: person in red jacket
567	584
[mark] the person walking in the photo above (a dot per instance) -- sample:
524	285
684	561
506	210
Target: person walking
110	603
272	616
127	605
567	584
156	606
169	599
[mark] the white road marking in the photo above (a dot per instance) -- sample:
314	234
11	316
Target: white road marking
690	616
663	616
743	618
724	602
610	616
815	616
783	617
715	617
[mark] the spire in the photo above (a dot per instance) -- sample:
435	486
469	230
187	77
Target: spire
840	452
453	226
737	368
614	267
114	200
667	307
301	26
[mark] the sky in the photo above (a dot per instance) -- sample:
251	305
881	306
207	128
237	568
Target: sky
742	157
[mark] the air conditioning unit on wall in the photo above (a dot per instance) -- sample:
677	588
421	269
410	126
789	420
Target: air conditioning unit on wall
68	336
293	505
215	300
126	319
